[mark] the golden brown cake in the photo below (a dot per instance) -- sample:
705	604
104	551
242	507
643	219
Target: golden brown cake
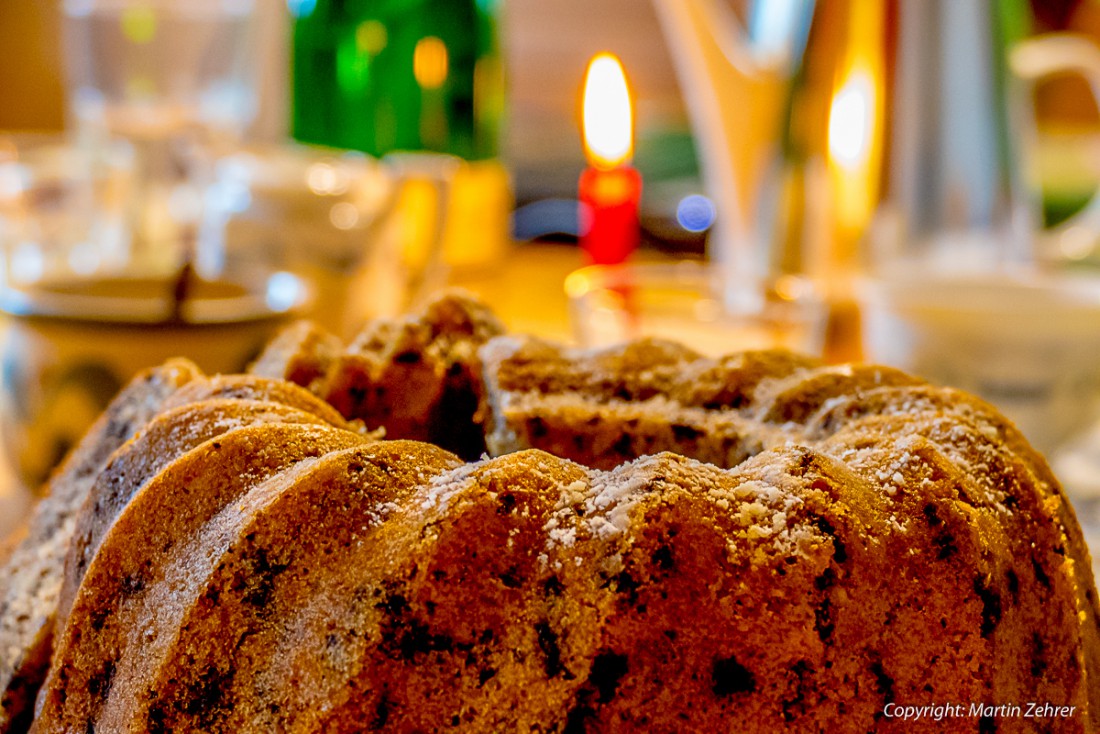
529	593
165	438
418	377
302	353
43	569
603	408
141	581
662	542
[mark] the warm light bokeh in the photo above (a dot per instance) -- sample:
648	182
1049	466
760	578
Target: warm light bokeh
852	139
855	130
430	62
851	118
608	119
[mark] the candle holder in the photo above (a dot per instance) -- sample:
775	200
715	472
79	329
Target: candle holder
684	302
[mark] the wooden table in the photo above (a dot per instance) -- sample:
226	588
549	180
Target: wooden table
527	291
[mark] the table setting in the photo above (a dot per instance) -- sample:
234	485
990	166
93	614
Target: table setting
712	365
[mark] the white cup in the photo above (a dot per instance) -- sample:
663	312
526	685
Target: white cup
1029	345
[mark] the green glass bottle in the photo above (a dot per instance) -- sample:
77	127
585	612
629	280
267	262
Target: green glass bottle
385	75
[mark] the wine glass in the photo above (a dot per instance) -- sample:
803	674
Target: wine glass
176	81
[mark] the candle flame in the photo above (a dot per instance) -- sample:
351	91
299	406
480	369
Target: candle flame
608	124
851	120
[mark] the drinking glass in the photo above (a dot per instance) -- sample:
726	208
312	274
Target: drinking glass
175	80
77	322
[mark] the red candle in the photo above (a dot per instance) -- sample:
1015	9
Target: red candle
609	213
610	188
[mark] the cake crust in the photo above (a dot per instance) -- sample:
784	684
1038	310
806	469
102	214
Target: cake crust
137	587
31	575
417	377
167	437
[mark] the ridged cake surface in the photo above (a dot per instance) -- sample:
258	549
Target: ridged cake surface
143	578
31	574
137	435
165	438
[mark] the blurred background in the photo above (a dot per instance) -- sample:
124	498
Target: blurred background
546	45
545	48
905	181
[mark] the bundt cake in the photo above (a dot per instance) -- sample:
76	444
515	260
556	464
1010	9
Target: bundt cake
659	542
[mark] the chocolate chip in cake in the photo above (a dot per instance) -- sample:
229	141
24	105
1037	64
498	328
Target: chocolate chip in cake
883	682
1040	574
682	432
1013	581
607	670
991	606
381	713
945	545
99	684
1038	656
548	643
729	677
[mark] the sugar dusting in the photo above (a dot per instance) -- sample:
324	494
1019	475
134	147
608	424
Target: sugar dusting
903	438
606	509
